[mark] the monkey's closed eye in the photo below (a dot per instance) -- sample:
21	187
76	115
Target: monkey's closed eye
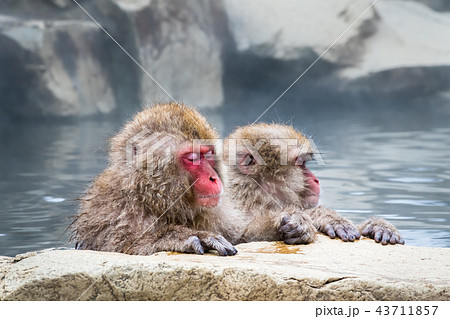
192	156
249	161
209	155
301	160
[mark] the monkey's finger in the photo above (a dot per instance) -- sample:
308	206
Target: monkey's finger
297	232
394	239
194	245
294	241
285	220
342	234
386	237
352	232
377	236
287	228
367	230
305	239
352	236
330	231
231	250
213	243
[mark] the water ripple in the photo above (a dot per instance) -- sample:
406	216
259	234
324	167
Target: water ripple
415	180
417	202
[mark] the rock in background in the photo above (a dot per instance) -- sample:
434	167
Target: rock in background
175	42
397	52
439	5
55	61
53	68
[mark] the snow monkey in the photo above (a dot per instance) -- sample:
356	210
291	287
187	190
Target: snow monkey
158	193
270	183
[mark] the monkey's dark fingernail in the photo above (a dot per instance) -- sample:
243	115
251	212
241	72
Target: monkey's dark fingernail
393	240
342	235
351	238
329	231
385	239
230	251
401	241
357	235
377	236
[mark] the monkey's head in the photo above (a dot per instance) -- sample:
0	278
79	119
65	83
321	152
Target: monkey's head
160	159
270	162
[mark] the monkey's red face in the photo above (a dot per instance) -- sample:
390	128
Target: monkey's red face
312	187
201	167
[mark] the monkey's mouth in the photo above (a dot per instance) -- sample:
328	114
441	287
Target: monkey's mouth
209	196
208	200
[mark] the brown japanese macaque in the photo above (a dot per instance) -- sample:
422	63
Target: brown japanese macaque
270	183
159	192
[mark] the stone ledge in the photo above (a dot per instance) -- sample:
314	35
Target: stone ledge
326	270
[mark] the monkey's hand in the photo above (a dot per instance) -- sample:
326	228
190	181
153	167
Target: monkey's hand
381	230
297	229
342	228
329	222
206	241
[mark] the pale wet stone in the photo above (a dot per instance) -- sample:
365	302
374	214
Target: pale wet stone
326	270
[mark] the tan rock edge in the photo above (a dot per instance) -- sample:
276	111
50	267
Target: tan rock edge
326	270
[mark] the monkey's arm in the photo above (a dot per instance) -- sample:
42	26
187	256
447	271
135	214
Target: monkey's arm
289	225
182	239
381	230
332	224
259	226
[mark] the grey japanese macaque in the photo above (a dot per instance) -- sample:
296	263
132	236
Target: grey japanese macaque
278	195
148	199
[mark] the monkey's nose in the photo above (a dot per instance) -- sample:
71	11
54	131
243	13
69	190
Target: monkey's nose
213	179
316	180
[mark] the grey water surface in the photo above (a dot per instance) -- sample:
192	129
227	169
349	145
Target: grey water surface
394	164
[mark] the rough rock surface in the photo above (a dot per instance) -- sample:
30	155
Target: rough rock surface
52	68
294	30
404	58
326	270
396	50
175	42
56	61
